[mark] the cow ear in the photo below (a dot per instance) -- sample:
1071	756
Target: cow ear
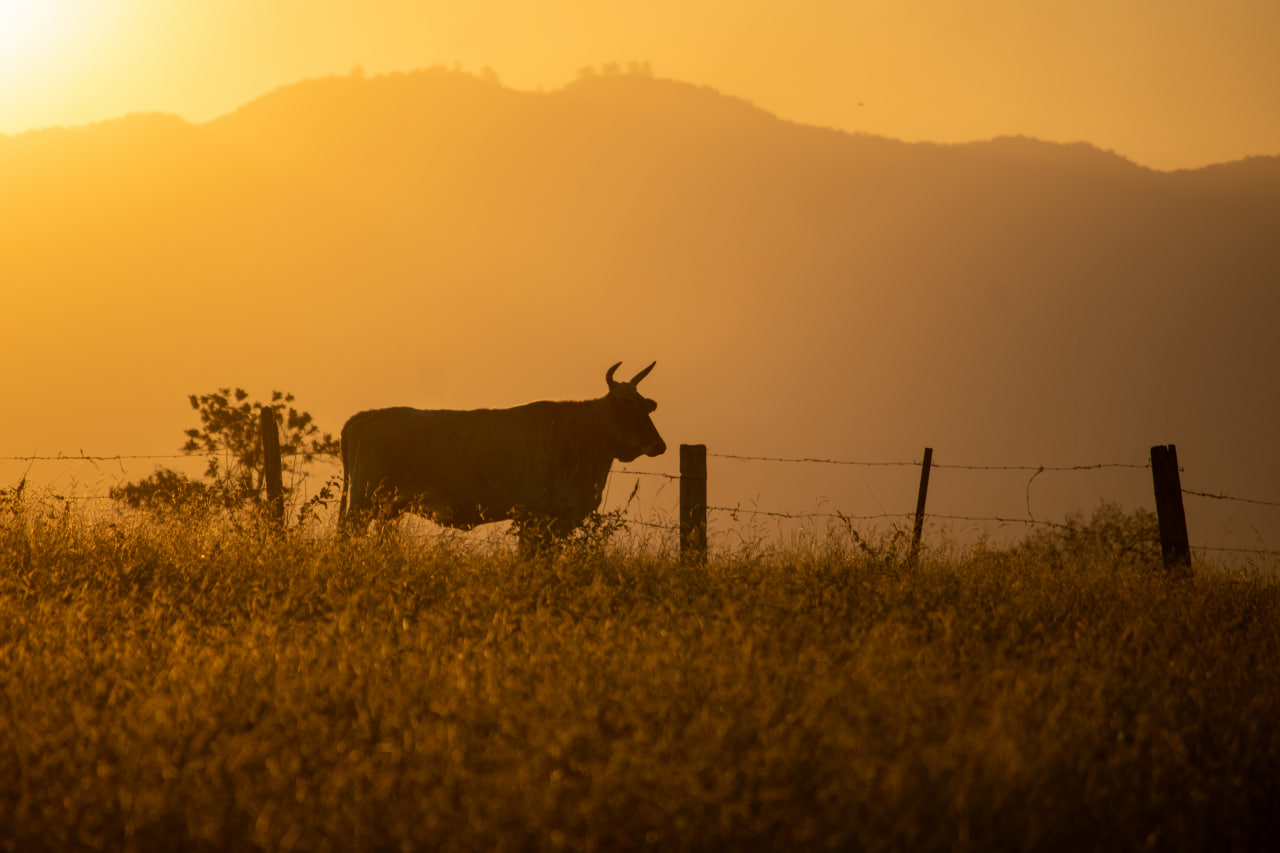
642	374
650	406
608	377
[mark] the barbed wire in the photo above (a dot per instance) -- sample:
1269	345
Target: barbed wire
734	511
916	463
1042	468
1268	551
654	524
85	457
843	516
811	460
1221	497
630	473
1033	522
319	456
68	498
846	517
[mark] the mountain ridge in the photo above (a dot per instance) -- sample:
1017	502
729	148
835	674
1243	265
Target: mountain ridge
598	88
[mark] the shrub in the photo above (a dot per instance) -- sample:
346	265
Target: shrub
1111	538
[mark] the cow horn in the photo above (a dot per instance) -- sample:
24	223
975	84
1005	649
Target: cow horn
642	374
608	377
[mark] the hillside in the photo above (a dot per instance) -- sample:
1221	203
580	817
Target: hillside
436	239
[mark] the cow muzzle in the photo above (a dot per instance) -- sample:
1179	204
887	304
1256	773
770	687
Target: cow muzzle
653	448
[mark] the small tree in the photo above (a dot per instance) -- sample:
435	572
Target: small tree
165	489
229	434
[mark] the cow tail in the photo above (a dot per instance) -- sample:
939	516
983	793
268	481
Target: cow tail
346	479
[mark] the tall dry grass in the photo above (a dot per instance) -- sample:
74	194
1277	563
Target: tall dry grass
193	682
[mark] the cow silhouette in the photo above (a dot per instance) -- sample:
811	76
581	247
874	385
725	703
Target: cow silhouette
542	464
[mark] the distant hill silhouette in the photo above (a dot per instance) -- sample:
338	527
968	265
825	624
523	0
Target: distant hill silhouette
435	239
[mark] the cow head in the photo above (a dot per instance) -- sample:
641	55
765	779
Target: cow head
633	429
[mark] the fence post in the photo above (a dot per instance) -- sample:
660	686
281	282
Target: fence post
271	467
693	503
1175	546
924	491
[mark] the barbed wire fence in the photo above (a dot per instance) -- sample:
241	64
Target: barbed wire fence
735	513
298	477
739	510
738	513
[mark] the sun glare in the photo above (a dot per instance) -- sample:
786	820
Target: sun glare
31	33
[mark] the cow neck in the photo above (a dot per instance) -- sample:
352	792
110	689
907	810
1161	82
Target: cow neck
596	453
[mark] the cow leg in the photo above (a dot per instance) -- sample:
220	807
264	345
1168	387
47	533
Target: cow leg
537	536
530	542
365	505
352	517
354	521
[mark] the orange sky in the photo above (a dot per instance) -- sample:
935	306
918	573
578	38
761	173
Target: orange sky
1168	83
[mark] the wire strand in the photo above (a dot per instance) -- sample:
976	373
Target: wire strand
807	515
1267	551
1222	497
1042	468
84	457
811	460
1031	522
628	472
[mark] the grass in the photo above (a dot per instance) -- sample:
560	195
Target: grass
193	682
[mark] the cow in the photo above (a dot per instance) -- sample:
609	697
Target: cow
542	464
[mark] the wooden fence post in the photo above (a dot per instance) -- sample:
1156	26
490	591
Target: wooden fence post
271	466
693	503
1175	546
924	491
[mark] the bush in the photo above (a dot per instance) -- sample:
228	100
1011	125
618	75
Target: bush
1111	539
165	489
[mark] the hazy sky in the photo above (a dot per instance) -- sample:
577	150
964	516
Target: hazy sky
1168	83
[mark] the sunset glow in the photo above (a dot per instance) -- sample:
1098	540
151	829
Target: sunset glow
948	518
29	35
467	205
1166	84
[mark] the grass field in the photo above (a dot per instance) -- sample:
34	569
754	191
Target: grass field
196	683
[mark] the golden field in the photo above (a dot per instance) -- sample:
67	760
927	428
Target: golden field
194	681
